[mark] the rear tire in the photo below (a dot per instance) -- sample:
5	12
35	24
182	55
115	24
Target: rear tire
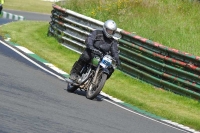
71	88
92	91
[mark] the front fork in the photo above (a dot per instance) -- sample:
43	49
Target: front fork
95	75
105	70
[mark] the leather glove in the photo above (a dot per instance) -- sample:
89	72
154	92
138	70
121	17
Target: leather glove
95	51
91	49
118	62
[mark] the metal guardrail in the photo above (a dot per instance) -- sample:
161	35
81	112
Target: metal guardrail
149	61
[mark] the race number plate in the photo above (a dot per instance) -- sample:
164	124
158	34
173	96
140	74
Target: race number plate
106	62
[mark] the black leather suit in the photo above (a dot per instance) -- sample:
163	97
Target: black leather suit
97	40
1	7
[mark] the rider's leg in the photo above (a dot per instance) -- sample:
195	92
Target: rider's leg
1	7
76	69
84	58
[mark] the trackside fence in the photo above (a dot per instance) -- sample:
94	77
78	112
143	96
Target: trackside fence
144	59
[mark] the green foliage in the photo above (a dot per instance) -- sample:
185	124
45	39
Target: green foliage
29	5
35	38
170	22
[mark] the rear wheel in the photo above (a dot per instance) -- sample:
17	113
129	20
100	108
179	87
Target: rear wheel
95	89
71	88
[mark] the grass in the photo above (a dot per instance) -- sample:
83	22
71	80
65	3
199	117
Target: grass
142	95
160	21
170	22
29	5
41	44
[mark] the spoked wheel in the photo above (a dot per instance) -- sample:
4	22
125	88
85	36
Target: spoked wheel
71	88
95	89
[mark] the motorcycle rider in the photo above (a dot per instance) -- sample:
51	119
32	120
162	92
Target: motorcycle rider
1	5
101	40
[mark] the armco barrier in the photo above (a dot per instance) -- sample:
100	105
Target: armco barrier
149	61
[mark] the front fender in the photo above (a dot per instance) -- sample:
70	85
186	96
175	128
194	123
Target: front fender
106	71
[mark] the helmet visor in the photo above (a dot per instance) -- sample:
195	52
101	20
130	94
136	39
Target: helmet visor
111	32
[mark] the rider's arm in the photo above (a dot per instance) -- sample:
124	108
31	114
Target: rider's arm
90	40
114	51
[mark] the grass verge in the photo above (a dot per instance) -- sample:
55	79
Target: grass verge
144	96
173	23
29	5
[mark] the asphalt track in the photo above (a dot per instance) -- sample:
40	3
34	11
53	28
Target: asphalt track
31	15
33	101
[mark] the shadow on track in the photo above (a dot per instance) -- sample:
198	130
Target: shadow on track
83	93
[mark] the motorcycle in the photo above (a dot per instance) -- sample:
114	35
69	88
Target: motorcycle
93	75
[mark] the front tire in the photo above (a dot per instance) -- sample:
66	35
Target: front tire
94	90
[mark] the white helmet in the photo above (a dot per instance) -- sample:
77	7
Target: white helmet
109	28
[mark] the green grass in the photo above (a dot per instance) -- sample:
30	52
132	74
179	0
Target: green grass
41	44
144	96
173	23
29	5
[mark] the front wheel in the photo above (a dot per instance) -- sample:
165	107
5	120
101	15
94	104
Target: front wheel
95	89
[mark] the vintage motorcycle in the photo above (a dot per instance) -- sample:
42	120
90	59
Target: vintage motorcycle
93	75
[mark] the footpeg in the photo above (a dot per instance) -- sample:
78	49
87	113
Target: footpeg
71	82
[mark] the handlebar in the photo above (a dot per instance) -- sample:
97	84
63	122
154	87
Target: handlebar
96	51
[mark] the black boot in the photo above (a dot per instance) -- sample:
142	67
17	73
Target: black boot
74	74
1	7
